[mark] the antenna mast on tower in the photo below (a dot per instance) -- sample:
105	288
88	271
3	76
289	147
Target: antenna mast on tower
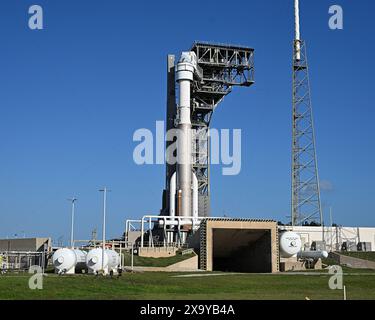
306	204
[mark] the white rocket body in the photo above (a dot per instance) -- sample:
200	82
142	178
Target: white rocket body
184	181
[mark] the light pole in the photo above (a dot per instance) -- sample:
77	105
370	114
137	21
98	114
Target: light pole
72	200
105	190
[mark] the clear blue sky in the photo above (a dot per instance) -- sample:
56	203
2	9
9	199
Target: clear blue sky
72	95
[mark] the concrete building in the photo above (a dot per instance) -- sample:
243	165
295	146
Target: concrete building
335	237
238	245
20	254
25	244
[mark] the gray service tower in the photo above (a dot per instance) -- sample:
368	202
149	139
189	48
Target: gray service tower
201	79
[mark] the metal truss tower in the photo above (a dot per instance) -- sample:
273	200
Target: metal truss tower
306	204
222	66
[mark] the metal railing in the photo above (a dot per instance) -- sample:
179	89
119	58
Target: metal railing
22	260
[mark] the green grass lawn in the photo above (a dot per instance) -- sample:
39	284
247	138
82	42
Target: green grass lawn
160	285
361	255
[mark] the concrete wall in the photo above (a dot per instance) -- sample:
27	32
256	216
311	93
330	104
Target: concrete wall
188	265
25	244
352	262
133	236
157	252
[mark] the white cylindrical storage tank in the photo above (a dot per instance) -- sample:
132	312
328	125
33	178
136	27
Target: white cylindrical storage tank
94	260
113	259
290	244
67	260
64	260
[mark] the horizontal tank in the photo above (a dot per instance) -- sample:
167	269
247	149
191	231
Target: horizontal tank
313	255
94	260
290	244
66	260
113	259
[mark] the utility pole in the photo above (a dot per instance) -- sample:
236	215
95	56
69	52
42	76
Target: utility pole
104	190
73	201
132	261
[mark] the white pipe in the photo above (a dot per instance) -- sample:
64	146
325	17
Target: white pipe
297	31
121	263
132	263
179	221
73	200
172	195
104	218
195	197
183	222
142	231
157	217
126	230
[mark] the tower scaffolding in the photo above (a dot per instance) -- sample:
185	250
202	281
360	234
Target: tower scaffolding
306	203
222	66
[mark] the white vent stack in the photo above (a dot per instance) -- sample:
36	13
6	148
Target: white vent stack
96	262
297	41
172	196
69	261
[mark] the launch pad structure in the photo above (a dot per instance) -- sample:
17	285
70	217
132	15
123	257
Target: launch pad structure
221	67
196	84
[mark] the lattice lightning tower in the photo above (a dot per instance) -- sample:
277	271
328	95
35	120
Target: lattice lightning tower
306	204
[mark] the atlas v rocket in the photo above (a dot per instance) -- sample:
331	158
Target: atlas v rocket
184	183
204	76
